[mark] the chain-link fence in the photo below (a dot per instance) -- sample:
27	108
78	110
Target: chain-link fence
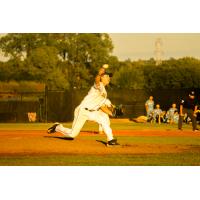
22	107
51	106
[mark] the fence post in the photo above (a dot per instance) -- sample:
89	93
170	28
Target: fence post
46	103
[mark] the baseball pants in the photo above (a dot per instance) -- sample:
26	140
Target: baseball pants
190	113
81	115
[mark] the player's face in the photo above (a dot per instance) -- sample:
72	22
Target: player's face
191	96
105	79
151	98
173	105
157	106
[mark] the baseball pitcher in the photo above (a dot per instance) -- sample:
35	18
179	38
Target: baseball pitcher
93	108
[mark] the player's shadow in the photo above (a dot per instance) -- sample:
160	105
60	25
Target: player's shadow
92	132
103	142
61	138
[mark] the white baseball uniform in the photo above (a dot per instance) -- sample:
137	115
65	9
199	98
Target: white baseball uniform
89	110
109	104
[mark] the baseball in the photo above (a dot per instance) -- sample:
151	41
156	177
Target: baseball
105	66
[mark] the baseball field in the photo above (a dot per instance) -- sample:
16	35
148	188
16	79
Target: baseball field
140	145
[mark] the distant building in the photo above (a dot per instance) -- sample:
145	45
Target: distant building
158	51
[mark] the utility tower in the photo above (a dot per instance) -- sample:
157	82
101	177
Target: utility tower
158	51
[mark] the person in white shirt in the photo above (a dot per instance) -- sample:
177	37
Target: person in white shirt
93	108
157	114
149	106
172	114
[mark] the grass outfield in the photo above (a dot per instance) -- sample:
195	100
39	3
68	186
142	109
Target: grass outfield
189	156
181	159
90	126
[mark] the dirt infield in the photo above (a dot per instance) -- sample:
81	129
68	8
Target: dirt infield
41	143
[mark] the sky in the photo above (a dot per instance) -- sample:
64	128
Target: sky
142	46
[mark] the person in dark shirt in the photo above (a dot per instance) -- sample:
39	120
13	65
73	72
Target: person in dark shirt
189	106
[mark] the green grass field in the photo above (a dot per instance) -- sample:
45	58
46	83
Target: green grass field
89	126
189	157
183	159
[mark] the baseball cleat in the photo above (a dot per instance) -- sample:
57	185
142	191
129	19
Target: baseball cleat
113	142
52	129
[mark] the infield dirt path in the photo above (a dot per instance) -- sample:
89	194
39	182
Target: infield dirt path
41	143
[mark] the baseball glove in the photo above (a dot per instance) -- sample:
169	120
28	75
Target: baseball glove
113	111
117	111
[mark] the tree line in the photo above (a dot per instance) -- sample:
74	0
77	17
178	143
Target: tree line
69	60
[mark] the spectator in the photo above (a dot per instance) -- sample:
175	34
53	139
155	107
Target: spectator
149	106
176	117
171	113
157	114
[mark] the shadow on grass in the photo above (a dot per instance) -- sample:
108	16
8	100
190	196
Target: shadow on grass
61	138
120	145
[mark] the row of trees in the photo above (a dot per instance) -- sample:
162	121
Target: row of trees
171	74
64	61
61	61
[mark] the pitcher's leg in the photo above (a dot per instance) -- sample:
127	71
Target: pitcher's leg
104	120
107	131
80	118
101	129
65	131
